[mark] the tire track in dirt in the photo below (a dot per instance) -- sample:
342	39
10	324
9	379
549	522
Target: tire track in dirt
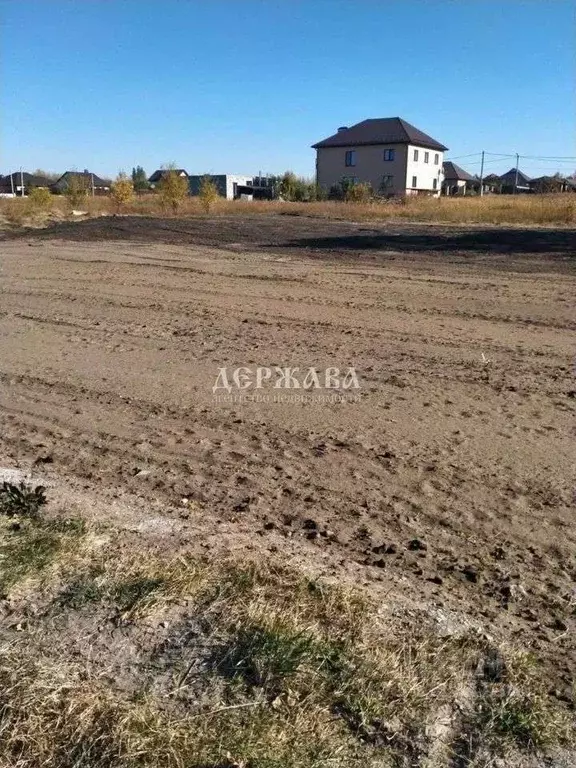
107	369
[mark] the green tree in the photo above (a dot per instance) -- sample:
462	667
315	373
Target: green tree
297	188
173	189
139	179
287	186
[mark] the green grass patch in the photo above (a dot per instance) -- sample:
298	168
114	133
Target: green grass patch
28	548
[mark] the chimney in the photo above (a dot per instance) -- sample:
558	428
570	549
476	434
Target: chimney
342	128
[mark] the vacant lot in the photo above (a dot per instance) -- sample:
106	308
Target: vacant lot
446	487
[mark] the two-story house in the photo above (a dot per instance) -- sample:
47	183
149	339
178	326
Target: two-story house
388	153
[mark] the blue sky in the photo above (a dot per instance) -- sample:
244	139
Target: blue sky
240	86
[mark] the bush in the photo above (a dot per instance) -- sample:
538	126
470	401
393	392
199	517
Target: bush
351	191
296	189
173	190
77	189
40	198
358	193
122	191
208	193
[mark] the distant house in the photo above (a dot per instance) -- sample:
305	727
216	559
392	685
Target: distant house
390	154
21	183
551	184
160	174
514	181
492	183
457	181
228	185
89	181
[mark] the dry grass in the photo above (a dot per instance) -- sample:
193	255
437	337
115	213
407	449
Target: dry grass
132	660
550	209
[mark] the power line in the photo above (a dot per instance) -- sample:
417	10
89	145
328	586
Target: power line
551	158
459	157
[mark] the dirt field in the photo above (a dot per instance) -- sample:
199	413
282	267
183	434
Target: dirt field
447	486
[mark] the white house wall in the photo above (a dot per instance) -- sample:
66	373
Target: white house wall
425	172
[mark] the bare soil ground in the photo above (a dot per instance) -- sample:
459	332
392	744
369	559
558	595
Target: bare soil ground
447	488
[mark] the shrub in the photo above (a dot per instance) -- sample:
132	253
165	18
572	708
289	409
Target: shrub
77	189
40	198
208	193
122	191
173	190
297	189
358	193
351	191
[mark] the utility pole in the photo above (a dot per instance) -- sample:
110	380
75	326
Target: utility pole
92	179
12	184
21	182
516	177
482	175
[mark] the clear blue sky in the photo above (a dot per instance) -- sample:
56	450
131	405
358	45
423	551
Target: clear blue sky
240	86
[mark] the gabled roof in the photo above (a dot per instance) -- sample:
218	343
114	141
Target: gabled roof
453	171
90	178
161	173
381	130
511	176
30	180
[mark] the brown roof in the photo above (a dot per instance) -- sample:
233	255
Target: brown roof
511	176
382	130
453	171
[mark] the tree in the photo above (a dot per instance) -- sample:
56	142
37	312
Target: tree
77	188
122	191
208	193
297	188
287	186
139	179
173	189
46	174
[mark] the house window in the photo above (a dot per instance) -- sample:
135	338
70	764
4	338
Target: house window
387	182
350	158
436	159
414	182
389	154
426	156
434	183
415	155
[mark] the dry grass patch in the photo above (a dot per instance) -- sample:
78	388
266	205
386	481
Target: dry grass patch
545	209
221	665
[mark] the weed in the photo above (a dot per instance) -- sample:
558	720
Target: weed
21	499
516	710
